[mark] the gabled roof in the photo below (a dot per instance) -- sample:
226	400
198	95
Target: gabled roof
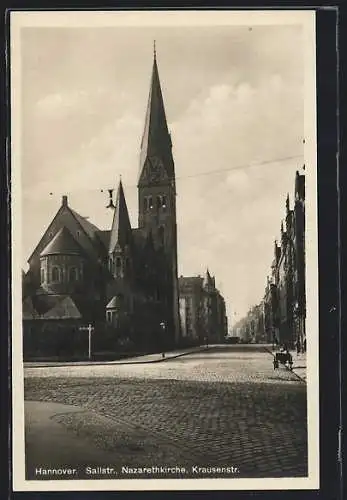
64	309
88	227
156	139
121	229
63	243
82	223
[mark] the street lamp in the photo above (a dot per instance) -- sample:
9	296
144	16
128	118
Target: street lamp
163	327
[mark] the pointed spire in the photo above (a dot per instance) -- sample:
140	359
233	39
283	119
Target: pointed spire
207	279
121	228
156	138
287	203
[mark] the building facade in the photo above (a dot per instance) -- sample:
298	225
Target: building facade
202	310
281	316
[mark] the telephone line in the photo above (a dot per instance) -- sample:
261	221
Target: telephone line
211	172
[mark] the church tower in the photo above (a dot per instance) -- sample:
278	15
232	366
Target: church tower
157	198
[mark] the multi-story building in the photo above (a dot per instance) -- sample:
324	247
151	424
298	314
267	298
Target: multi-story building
284	302
285	290
299	267
191	308
202	309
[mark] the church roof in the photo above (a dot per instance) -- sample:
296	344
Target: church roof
156	139
64	309
68	217
114	302
88	226
63	243
121	229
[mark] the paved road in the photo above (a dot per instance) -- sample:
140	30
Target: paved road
226	407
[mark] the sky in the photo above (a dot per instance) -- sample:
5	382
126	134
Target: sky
234	101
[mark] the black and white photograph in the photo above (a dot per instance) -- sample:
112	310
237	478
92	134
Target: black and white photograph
165	258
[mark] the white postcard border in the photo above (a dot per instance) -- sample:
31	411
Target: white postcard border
18	20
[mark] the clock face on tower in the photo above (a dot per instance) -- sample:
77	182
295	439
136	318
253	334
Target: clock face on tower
155	169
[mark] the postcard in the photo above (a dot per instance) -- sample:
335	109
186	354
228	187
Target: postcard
165	255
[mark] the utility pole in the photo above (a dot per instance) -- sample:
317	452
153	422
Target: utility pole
88	328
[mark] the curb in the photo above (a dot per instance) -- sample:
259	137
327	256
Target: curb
286	367
116	363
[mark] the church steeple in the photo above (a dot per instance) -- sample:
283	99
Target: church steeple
121	228
157	200
156	141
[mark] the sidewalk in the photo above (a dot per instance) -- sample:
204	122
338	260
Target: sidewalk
147	358
50	445
299	364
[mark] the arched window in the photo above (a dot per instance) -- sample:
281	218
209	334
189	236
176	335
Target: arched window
118	266
56	274
163	201
145	204
158	202
150	202
42	275
73	274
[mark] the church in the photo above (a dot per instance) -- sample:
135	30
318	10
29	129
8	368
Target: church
120	280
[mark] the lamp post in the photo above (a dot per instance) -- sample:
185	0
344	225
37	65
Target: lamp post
163	328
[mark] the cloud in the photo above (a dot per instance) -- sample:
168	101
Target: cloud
57	105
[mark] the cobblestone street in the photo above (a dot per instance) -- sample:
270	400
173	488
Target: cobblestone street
224	407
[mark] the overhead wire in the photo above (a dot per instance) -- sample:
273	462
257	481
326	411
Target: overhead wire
207	173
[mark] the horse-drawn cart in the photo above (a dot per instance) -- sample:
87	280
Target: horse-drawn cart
284	358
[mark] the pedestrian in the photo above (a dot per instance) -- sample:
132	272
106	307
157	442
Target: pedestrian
298	347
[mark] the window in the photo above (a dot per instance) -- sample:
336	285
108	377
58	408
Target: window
73	274
164	201
161	235
127	265
110	264
158	202
55	274
150	202
109	316
145	204
42	275
118	266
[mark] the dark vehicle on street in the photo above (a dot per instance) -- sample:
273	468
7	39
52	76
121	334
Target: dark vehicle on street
284	358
